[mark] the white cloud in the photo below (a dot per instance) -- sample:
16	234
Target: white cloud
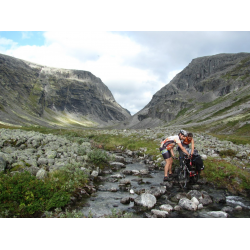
26	34
6	44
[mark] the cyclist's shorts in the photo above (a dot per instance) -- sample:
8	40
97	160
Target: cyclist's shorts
165	153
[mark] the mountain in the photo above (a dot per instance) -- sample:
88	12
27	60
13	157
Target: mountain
210	90
32	94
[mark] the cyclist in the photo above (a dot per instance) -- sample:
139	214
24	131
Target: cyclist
166	150
185	143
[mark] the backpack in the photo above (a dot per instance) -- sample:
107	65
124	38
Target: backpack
198	162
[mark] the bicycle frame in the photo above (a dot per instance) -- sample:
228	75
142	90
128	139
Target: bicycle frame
185	174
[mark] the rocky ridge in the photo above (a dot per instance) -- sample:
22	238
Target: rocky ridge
32	94
196	95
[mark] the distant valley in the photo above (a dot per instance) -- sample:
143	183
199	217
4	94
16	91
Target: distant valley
212	92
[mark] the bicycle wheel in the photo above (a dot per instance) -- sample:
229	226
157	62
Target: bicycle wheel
186	176
180	174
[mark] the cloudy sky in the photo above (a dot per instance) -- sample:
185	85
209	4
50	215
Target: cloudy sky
133	64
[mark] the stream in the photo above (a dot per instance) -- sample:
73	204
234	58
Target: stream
135	178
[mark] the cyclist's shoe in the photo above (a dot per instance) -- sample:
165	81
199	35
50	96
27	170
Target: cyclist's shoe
166	178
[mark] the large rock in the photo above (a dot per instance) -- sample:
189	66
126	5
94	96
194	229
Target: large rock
218	214
205	199
145	200
159	213
117	165
187	204
41	174
166	207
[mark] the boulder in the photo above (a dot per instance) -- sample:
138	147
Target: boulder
195	201
125	200
166	207
145	200
41	174
187	204
227	209
117	165
159	213
205	199
216	214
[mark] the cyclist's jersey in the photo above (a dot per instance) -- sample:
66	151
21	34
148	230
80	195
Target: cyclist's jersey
186	141
170	142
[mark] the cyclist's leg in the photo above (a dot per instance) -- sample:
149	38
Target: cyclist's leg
168	165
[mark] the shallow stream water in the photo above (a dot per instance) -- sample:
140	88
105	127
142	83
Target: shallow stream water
109	193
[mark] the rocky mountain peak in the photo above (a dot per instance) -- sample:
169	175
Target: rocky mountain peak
36	94
203	81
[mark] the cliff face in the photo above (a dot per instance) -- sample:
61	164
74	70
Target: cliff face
39	95
201	85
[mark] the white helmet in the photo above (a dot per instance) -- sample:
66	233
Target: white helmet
183	132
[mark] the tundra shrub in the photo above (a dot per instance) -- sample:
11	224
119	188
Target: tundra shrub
228	152
69	177
98	157
23	195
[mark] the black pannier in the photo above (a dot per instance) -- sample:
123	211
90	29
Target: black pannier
197	162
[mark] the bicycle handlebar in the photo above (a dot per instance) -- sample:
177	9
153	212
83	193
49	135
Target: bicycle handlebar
185	156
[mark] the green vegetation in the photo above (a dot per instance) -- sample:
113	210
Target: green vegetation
233	74
182	112
224	174
132	142
228	152
23	195
98	157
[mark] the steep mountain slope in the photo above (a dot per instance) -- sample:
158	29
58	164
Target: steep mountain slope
32	94
211	89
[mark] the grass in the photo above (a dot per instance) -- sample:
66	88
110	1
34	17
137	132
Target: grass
226	175
133	142
182	112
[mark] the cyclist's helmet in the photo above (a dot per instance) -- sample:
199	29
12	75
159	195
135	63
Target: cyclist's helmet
183	132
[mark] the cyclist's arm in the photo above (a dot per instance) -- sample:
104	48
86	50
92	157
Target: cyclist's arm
192	150
182	148
172	152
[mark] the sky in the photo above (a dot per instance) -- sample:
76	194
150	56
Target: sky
135	62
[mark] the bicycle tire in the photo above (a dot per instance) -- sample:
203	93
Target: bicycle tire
180	174
186	177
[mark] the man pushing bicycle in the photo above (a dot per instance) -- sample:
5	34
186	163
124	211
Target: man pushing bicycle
166	150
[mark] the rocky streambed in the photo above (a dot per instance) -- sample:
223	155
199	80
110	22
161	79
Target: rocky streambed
129	183
137	188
